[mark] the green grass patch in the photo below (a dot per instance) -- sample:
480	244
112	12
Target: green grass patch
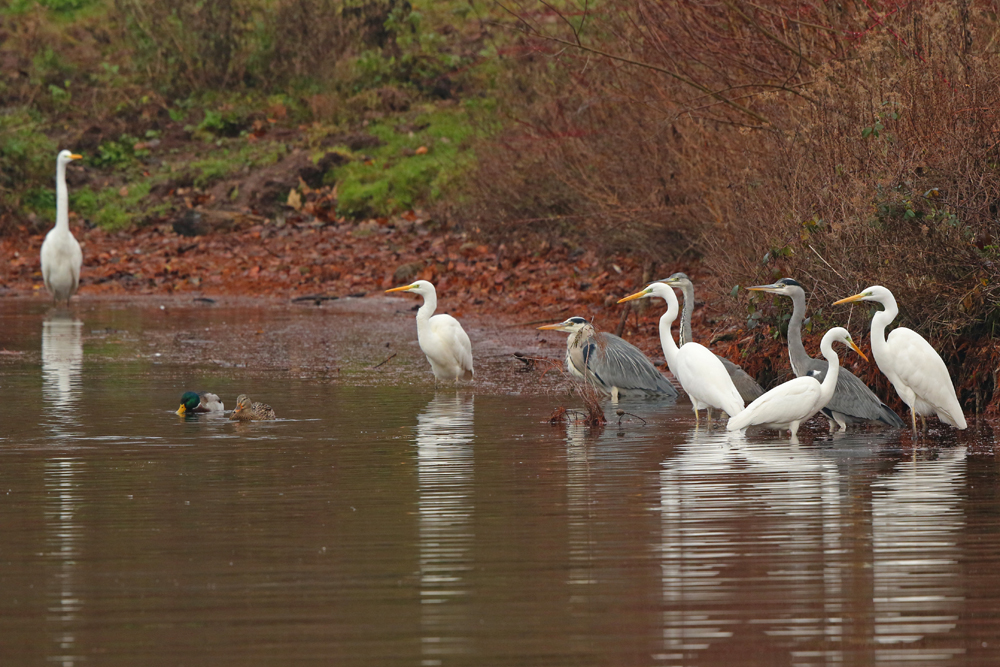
399	175
112	210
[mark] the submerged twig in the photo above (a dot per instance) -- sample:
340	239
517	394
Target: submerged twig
381	363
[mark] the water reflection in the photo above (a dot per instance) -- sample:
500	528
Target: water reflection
917	518
782	530
445	474
63	533
62	363
579	505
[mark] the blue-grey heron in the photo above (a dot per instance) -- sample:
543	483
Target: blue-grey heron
607	362
853	402
913	367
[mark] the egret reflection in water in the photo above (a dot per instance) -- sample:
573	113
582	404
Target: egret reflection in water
445	465
62	364
728	506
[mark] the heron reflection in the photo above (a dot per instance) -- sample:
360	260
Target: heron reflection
445	473
62	365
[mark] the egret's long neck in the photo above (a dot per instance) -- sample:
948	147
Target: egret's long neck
830	381
880	321
426	310
666	321
685	329
62	198
796	350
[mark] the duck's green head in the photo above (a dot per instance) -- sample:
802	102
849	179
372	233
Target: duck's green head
189	401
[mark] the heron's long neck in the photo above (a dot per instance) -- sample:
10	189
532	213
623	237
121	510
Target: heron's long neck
62	198
830	381
796	350
880	321
685	329
666	321
426	310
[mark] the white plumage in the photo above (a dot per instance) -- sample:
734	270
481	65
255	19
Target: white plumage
913	367
700	372
61	254
789	404
441	337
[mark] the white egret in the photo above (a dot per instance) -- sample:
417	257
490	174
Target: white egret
699	371
746	385
789	404
853	402
441	337
913	367
61	254
612	365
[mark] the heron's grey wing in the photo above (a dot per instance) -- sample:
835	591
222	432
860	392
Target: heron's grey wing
746	385
623	365
853	399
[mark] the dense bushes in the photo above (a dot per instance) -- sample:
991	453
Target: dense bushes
843	144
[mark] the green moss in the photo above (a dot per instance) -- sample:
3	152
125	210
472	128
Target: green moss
399	175
110	209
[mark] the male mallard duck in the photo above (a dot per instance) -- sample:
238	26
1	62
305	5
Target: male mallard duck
192	402
247	411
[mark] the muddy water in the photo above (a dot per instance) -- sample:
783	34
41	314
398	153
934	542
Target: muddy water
381	522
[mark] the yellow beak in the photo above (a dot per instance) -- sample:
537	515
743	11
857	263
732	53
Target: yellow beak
630	297
856	297
763	288
857	349
552	327
400	289
181	410
75	156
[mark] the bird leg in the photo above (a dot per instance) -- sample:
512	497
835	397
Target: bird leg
913	420
614	394
709	411
923	423
697	422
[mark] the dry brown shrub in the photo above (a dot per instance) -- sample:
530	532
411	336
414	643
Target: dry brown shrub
843	144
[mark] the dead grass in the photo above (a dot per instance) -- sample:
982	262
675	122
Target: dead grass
844	145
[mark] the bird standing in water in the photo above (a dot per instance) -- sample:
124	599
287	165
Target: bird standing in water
913	367
608	363
61	254
441	337
700	372
789	404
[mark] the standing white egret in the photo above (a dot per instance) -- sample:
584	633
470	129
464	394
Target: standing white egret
608	363
699	371
441	337
852	402
746	385
913	367
795	401
61	254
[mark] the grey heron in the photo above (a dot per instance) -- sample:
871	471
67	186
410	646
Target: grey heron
853	402
442	339
607	362
793	402
746	385
913	367
699	371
